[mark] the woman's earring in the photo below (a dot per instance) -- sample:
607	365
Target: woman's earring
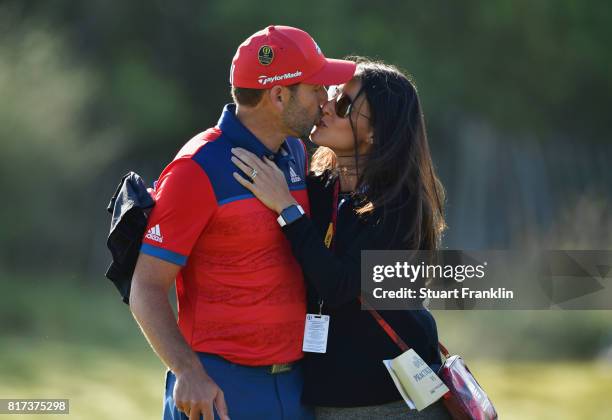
371	140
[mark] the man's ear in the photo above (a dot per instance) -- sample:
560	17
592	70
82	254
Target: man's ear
275	95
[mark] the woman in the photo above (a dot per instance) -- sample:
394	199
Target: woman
374	157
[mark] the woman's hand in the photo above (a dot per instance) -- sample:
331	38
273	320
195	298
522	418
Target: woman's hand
267	183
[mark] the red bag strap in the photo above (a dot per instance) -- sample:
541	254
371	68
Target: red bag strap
391	332
385	326
443	350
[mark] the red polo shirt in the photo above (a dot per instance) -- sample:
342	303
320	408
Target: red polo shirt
240	292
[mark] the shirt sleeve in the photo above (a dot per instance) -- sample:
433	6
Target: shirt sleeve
184	205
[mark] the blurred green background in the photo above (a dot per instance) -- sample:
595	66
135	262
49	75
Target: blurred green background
516	97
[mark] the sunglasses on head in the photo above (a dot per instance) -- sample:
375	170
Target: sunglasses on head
343	102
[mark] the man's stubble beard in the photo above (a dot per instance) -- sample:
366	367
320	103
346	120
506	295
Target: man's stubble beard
297	119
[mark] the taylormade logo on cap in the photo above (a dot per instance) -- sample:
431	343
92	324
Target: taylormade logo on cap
265	79
273	55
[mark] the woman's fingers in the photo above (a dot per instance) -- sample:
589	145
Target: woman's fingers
274	171
247	167
248	170
246	184
265	168
247	157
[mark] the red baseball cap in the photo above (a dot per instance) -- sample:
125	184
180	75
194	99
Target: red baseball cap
282	55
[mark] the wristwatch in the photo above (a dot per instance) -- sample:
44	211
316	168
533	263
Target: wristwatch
290	215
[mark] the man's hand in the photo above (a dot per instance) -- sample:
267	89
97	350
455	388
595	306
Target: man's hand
194	391
195	394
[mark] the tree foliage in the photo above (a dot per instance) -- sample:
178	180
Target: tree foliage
92	89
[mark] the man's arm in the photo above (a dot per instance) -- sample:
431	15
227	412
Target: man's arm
194	391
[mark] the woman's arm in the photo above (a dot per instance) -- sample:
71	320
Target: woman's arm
337	279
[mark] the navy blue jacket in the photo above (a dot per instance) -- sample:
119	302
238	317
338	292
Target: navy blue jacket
351	373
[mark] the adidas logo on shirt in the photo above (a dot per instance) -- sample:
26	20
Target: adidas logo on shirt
154	234
294	177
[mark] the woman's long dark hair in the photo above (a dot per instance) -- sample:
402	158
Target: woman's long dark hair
398	173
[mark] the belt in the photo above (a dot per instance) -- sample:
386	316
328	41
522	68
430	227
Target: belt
270	369
279	368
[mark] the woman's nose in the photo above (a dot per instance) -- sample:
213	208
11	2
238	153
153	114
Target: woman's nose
328	106
322	96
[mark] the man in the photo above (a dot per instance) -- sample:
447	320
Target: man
241	297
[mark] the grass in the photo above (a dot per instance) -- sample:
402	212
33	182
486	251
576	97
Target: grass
557	390
66	338
109	384
100	383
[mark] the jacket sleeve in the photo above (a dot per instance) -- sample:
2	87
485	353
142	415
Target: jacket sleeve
335	278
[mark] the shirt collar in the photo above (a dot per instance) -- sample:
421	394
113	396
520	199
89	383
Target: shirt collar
240	136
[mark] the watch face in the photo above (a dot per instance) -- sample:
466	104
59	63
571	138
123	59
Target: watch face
291	213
